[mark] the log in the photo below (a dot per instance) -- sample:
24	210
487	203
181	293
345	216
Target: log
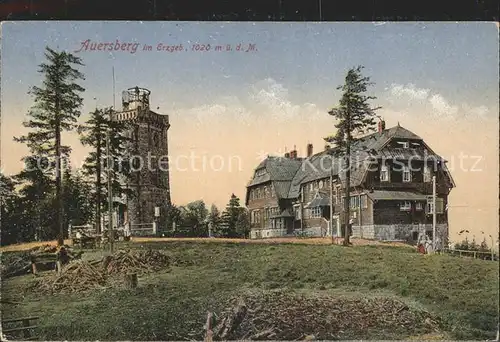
131	281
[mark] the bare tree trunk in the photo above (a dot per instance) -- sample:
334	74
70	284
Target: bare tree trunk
59	219
98	186
347	231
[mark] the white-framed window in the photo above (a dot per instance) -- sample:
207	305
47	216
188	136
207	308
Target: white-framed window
273	194
363	201
354	200
403	144
439	206
321	184
405	206
338	192
316	212
311	187
279	223
302	195
427	174
419	206
406	174
266	191
384	173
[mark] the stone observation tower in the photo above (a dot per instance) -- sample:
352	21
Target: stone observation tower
150	185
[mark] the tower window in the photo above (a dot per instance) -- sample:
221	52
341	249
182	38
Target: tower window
384	173
406	174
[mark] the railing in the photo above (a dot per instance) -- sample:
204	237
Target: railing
473	254
85	229
26	328
143	229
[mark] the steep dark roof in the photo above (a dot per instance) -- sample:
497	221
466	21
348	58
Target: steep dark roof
289	174
377	140
280	171
315	167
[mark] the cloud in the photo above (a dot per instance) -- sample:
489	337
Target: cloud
223	109
437	104
264	100
480	111
274	97
410	90
441	106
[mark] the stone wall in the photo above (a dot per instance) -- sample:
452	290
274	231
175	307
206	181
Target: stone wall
313	231
267	233
364	232
404	232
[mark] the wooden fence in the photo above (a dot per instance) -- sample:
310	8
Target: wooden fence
11	327
471	254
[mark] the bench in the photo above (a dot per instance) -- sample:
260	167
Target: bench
10	326
47	258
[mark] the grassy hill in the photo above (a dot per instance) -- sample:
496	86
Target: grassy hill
172	305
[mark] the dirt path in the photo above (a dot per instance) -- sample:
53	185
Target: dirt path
307	241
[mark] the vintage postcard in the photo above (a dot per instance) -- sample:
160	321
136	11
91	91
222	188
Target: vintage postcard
249	181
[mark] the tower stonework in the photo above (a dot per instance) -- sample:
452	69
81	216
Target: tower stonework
148	150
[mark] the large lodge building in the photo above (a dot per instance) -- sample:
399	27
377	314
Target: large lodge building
391	182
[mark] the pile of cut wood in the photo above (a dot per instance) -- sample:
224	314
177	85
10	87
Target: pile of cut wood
140	262
106	272
75	277
280	315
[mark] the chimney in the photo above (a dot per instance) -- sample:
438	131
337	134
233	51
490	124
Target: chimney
381	126
309	150
287	155
293	154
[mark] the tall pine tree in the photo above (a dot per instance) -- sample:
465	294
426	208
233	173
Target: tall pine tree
93	134
56	109
234	220
36	199
354	116
214	221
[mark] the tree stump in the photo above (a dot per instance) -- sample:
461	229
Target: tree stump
131	281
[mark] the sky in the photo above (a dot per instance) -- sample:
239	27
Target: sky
230	109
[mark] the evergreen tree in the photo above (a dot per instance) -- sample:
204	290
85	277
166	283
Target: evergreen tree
354	116
56	109
7	192
36	199
243	224
172	216
195	218
231	226
8	205
77	198
94	134
214	220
